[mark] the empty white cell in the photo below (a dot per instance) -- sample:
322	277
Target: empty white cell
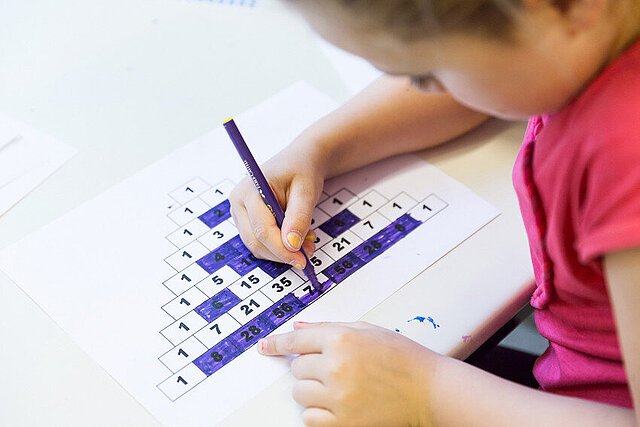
189	211
184	302
307	288
428	208
218	281
182	381
178	357
370	226
282	285
218	235
189	190
187	255
334	204
188	233
320	260
183	328
368	204
397	206
186	278
249	283
217	330
317	218
218	193
322	238
342	244
250	307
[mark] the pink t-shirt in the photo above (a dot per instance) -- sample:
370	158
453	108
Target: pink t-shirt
577	177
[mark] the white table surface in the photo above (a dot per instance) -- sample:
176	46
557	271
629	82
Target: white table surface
127	82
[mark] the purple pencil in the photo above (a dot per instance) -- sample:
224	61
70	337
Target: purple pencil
264	189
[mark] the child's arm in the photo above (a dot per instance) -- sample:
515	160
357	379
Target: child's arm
387	118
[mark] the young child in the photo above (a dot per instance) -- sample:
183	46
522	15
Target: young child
574	67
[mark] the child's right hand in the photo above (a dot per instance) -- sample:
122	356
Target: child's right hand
296	179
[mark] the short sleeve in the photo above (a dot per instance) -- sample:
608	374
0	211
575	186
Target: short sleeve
609	207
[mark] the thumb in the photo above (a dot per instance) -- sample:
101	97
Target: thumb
297	216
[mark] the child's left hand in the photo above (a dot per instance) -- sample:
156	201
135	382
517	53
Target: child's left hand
356	374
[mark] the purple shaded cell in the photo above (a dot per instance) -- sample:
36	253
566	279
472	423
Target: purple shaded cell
311	294
245	263
218	258
217	305
284	309
372	247
343	268
340	223
249	334
399	228
274	269
216	357
216	214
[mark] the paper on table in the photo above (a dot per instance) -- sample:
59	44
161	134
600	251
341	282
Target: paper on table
27	157
355	72
100	268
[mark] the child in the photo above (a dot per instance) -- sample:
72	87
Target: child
574	67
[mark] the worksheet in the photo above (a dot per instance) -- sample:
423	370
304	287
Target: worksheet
27	157
152	280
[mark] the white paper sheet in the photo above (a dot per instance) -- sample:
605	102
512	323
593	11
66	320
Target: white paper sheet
99	270
355	72
27	157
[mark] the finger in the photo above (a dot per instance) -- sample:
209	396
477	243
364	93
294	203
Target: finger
297	216
296	342
245	230
309	248
266	231
319	417
310	393
308	367
312	325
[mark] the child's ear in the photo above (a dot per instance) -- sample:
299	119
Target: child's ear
574	15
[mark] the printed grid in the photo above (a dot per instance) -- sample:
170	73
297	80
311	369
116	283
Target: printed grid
226	299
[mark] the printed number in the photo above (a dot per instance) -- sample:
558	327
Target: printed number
216	304
218	212
182	380
216	328
426	207
282	310
185	277
342	267
187	254
187	232
217	280
249	259
219	256
365	203
279	286
187	210
400	227
245	284
185	302
315	261
338	245
337	201
374	246
308	289
317	240
338	222
249	334
218	191
181	352
246	308
217	357
188	189
369	224
395	205
183	326
218	234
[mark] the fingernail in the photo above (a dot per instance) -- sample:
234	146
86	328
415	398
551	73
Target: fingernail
294	240
298	266
261	346
310	237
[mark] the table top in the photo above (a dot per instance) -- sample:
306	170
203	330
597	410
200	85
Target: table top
127	82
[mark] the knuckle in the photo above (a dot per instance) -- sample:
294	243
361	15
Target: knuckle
303	217
254	246
288	343
260	232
